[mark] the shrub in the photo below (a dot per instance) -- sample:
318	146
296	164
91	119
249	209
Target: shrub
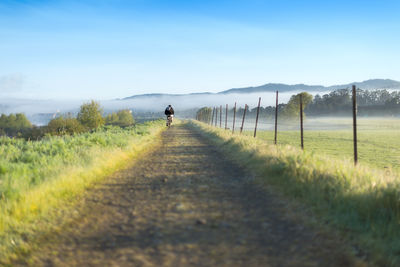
90	115
122	118
62	126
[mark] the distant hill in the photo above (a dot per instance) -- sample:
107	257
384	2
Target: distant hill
163	95
272	87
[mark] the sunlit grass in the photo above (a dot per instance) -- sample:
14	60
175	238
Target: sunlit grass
363	202
40	179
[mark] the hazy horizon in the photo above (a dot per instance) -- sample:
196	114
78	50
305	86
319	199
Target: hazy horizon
145	103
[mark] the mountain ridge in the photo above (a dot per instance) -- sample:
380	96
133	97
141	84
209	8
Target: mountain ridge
372	84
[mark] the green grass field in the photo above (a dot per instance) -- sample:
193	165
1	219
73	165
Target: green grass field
39	180
378	140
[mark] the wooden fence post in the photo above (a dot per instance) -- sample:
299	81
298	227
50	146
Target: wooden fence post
226	117
301	121
234	118
212	117
220	116
258	111
355	124
276	118
244	116
216	116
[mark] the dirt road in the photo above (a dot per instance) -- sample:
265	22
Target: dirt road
183	204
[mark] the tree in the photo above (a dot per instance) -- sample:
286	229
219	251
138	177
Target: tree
122	118
14	124
90	115
125	118
204	114
111	119
291	110
22	122
62	126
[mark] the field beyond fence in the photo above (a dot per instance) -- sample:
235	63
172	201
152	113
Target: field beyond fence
375	143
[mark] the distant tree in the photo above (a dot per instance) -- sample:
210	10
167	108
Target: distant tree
111	119
204	114
393	102
35	133
63	126
3	122
125	118
90	115
291	110
370	103
14	124
11	122
122	118
22	121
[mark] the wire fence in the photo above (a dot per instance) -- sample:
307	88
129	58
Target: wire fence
239	122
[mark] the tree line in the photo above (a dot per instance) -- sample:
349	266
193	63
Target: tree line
88	118
370	103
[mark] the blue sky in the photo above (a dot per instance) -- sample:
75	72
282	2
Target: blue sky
111	49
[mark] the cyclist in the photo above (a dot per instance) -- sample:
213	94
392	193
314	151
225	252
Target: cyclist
169	112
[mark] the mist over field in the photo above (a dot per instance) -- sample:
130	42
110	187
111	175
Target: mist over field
41	111
183	102
322	123
145	103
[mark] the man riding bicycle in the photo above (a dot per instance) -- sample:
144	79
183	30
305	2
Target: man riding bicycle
169	112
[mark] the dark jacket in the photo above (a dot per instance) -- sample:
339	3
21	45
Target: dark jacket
169	111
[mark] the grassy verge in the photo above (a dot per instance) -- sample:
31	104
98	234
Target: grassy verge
363	203
41	180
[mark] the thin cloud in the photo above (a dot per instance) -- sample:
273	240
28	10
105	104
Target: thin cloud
11	83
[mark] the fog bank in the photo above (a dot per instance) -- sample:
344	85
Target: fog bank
40	111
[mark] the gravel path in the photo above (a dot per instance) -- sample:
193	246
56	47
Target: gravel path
183	204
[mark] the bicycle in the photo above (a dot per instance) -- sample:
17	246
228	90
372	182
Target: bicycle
169	120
